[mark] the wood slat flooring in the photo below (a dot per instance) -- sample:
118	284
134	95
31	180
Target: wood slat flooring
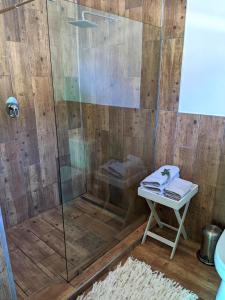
38	259
37	247
65	291
185	268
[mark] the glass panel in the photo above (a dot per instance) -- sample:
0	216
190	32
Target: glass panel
203	75
105	92
104	82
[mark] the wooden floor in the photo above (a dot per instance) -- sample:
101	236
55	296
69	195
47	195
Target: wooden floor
37	248
38	259
184	268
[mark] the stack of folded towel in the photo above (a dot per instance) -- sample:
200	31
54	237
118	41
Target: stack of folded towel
165	181
123	169
159	180
177	189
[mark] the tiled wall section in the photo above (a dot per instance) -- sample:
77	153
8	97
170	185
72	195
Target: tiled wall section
193	142
28	182
28	152
115	132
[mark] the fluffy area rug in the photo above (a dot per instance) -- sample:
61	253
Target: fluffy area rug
135	280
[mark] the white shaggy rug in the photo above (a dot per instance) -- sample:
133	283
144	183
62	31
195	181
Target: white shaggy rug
135	280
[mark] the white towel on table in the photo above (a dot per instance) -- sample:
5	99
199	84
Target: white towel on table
154	189
156	182
178	188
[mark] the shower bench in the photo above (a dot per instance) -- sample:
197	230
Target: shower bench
153	199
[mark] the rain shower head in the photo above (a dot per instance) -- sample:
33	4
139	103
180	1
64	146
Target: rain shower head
84	23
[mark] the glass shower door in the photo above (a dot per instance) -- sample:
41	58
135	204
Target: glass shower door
104	127
72	160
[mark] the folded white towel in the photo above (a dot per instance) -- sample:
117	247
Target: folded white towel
154	189
158	189
159	179
178	188
123	169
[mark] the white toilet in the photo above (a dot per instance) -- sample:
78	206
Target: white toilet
220	265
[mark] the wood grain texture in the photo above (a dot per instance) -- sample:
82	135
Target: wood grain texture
170	73
27	145
193	142
7	286
110	131
29	164
197	276
70	290
174	18
148	11
37	245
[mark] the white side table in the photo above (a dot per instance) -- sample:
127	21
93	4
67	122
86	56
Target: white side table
152	199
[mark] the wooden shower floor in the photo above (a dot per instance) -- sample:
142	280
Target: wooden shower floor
37	245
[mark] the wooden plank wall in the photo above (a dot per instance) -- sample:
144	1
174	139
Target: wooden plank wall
110	132
115	132
196	143
28	151
28	170
64	60
7	286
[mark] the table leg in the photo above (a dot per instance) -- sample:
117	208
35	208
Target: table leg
147	227
152	215
152	207
177	213
181	222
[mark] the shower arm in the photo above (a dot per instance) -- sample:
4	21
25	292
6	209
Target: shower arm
86	12
14	6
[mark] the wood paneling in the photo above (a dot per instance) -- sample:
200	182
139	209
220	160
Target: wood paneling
193	142
28	169
28	145
7	286
174	18
148	11
28	155
110	131
170	73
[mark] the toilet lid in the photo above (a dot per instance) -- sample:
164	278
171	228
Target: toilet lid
220	247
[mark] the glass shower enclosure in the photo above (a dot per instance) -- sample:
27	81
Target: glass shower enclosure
105	114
